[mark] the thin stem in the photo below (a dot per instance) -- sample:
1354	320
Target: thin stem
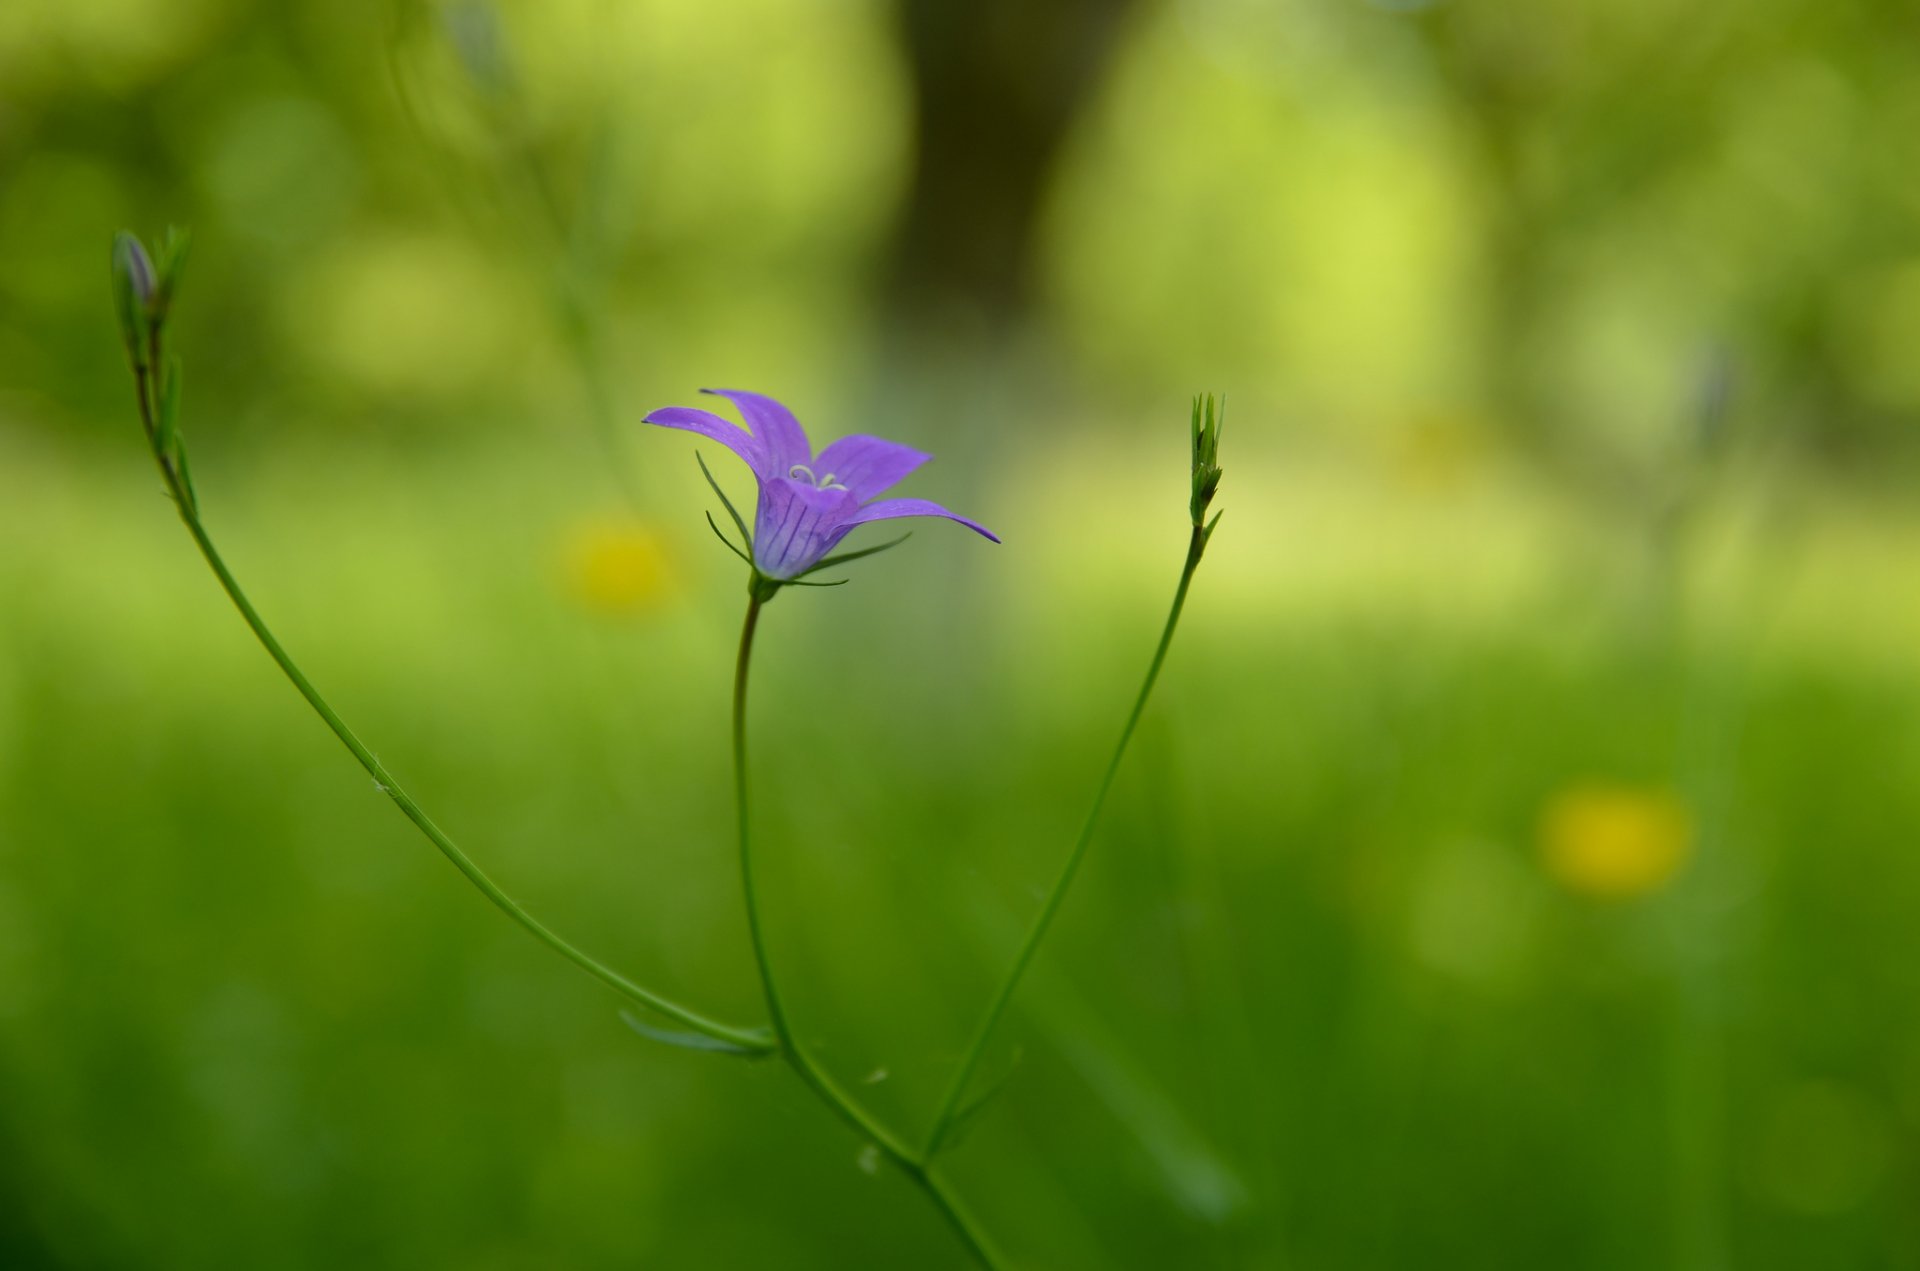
583	342
578	315
911	1163
750	1040
950	1104
958	1216
776	1011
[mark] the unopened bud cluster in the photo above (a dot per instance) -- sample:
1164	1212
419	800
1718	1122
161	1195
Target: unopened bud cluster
143	289
142	293
1209	417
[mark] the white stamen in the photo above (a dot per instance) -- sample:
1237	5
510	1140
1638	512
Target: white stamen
801	472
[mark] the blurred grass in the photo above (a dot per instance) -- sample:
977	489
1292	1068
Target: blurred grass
1319	1000
1329	995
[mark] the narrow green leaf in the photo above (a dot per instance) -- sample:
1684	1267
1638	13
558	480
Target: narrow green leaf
689	1041
969	1116
170	263
186	474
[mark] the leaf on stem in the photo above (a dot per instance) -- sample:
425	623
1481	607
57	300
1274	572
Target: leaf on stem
186	474
690	1041
171	260
968	1116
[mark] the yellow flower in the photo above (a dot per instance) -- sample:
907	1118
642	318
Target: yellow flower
1614	842
618	568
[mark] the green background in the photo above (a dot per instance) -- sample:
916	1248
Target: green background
1473	276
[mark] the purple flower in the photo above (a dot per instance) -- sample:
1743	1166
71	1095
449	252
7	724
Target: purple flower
808	501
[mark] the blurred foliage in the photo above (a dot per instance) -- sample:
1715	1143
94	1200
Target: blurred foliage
1515	871
1376	220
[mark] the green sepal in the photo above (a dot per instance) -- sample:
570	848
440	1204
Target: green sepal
1206	535
745	534
694	1041
844	557
798	582
169	263
762	588
714	526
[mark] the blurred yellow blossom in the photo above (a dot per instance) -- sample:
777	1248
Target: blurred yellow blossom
618	568
1439	450
1614	842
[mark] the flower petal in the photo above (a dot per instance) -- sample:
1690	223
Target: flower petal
868	466
797	524
888	509
784	440
711	426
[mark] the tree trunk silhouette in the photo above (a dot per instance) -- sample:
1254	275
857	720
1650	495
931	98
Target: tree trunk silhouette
997	86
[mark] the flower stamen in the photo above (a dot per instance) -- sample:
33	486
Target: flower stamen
801	472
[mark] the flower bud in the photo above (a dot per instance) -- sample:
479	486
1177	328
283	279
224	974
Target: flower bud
133	294
1208	419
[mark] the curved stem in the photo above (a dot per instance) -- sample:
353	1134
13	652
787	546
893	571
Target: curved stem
950	1104
754	1041
911	1163
776	1011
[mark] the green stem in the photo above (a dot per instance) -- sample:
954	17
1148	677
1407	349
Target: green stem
577	314
583	343
950	1104
775	1010
750	1040
910	1163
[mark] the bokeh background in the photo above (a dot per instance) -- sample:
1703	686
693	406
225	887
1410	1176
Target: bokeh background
1517	868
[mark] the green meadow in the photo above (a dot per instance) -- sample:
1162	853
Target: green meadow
1515	867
